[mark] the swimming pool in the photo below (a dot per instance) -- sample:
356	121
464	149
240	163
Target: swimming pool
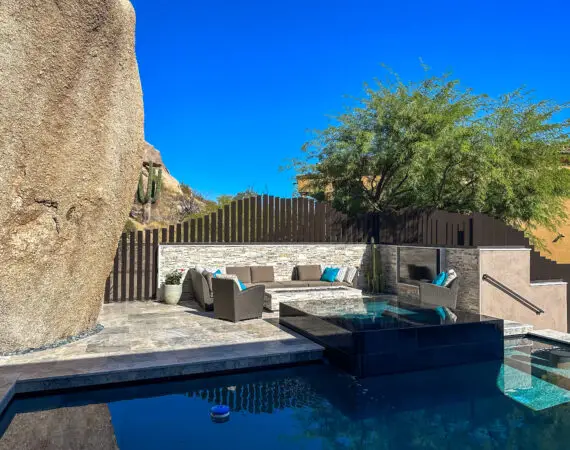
492	405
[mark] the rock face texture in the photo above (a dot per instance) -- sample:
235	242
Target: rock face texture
71	147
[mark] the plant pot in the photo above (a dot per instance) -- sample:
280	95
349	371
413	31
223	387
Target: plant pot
172	293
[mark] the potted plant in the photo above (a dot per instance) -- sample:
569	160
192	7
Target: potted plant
173	286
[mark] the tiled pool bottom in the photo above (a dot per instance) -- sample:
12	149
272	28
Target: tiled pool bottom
485	406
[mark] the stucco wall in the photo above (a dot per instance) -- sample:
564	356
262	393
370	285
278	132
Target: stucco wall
511	267
283	257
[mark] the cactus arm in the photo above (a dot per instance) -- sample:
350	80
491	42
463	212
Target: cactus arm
140	191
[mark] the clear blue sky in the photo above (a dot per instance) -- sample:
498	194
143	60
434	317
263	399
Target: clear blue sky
232	88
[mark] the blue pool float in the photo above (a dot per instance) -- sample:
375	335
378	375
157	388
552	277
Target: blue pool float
220	413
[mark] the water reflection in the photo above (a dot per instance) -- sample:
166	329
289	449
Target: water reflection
314	407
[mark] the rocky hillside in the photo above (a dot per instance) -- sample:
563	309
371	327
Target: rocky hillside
176	201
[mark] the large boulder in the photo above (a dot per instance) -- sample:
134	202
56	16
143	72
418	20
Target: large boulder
71	147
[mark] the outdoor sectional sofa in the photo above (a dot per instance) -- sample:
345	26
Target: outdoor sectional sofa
302	276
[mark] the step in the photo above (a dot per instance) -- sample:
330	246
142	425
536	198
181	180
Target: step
512	328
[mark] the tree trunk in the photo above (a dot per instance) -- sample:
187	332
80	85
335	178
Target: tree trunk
147	212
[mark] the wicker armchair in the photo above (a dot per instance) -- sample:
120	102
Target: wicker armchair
234	305
433	295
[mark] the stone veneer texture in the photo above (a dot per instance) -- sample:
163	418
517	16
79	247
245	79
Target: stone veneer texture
283	257
466	262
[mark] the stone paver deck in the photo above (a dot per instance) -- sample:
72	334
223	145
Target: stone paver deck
147	340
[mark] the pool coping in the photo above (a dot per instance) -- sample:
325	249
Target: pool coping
90	372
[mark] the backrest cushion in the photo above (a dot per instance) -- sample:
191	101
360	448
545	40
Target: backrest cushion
309	273
242	272
260	274
208	276
233	277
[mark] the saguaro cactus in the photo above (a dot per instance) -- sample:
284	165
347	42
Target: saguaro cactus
153	187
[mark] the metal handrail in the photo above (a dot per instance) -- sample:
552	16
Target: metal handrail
519	298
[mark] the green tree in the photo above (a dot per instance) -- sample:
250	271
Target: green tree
430	144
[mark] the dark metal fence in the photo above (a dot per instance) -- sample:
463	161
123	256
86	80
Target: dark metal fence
291	220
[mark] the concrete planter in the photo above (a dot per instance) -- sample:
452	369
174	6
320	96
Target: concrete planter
172	293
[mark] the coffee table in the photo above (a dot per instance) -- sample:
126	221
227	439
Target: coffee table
275	296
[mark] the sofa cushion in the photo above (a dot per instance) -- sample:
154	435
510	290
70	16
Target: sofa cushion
208	276
341	283
262	274
242	272
272	284
309	273
294	284
319	283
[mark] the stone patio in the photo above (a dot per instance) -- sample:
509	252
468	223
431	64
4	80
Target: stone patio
146	340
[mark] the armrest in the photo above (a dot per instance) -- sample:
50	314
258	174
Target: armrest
253	291
431	294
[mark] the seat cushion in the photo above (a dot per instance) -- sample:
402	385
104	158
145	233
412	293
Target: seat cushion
242	272
319	283
309	273
341	283
272	284
262	274
294	284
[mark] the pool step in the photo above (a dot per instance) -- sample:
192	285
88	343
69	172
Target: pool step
512	328
528	390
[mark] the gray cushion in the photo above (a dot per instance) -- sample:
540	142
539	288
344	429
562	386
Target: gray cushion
319	283
270	284
262	274
208	276
243	273
341	283
294	283
309	273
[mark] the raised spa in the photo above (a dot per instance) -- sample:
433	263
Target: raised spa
374	337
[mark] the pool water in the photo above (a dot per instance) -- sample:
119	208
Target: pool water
519	403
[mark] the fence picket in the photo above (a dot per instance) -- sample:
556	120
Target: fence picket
132	242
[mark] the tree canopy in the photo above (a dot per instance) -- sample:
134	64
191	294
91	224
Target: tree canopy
432	145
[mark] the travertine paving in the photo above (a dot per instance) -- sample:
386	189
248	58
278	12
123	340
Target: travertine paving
141	327
149	340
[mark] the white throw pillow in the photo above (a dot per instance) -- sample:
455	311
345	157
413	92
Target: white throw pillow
350	274
451	275
341	274
230	276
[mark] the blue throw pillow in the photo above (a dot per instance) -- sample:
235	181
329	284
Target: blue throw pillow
242	286
329	274
440	279
441	312
217	272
